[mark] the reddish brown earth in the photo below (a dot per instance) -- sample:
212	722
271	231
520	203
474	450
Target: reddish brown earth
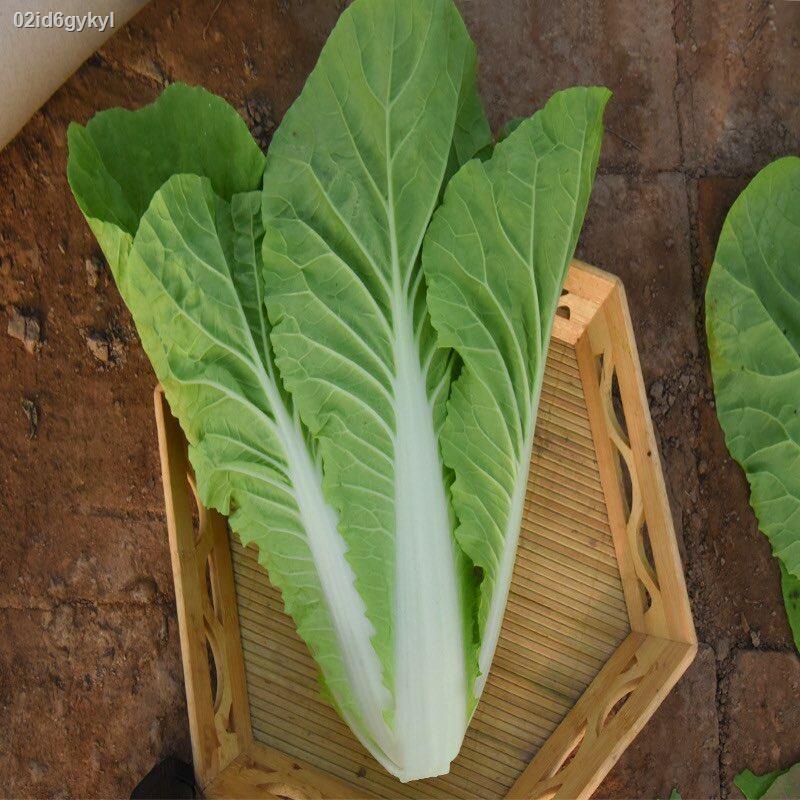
91	691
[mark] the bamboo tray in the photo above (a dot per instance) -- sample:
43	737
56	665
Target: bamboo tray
597	631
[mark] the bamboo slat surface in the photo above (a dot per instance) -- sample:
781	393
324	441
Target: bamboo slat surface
566	616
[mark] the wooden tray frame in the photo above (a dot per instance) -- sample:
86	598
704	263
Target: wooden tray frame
593	316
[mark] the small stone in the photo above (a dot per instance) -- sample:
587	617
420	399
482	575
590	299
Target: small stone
25	328
36	771
722	648
99	347
162	635
94	269
755	638
744	623
702	467
143	590
16	325
657	391
157	734
31	411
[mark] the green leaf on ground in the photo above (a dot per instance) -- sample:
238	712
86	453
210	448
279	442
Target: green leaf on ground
790	586
753	324
753	786
786	786
781	784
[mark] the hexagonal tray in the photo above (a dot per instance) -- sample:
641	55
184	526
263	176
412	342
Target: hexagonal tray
597	630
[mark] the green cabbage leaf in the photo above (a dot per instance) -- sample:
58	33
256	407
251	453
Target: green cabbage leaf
186	256
782	784
790	589
753	325
352	178
495	259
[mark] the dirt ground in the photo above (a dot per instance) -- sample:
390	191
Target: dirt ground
91	692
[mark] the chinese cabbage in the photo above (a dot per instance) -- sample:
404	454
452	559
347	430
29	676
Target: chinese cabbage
346	418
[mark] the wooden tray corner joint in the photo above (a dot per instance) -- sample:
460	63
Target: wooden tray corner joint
598	627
